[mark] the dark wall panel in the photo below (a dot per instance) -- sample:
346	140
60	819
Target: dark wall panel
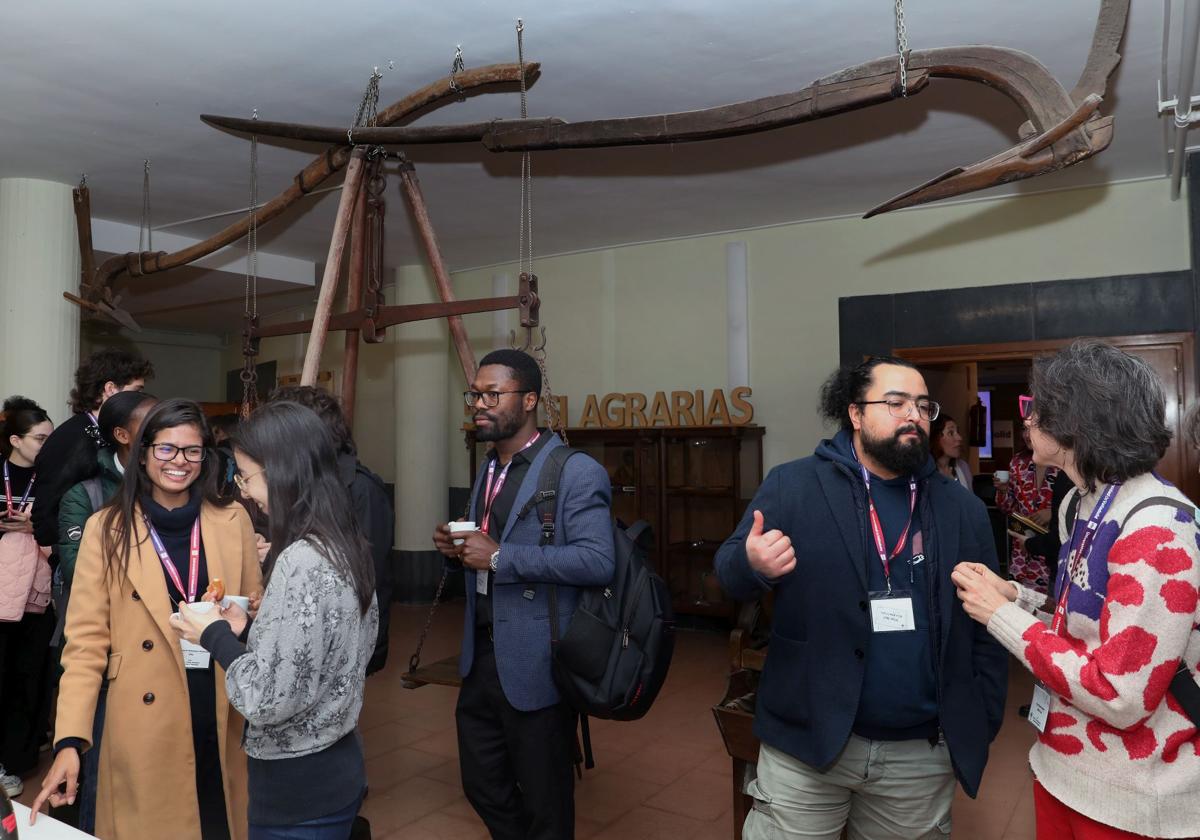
865	327
979	315
1146	303
1098	306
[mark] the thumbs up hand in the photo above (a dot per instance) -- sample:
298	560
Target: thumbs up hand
770	554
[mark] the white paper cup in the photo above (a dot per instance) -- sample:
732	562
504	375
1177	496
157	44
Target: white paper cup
457	527
241	600
1001	475
200	606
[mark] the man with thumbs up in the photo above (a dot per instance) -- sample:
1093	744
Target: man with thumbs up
878	691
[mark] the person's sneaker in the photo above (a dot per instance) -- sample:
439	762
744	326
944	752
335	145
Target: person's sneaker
12	784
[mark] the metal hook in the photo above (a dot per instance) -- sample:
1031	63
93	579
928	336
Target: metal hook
528	346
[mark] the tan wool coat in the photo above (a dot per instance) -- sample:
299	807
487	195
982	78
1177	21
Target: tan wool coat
118	625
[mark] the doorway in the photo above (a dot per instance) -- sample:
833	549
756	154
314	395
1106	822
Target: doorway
956	374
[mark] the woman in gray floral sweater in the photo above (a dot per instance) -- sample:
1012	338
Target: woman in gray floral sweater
298	677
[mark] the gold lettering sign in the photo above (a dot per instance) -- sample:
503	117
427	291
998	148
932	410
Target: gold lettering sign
674	408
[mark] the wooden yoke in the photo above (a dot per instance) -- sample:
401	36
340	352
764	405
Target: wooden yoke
416	203
333	267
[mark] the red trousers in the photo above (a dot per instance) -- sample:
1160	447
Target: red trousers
1055	821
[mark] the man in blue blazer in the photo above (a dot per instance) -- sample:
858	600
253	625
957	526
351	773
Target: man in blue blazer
516	737
878	691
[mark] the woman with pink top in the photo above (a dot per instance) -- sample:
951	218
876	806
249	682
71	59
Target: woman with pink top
1117	755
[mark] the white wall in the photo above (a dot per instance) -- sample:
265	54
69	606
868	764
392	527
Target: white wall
186	364
652	317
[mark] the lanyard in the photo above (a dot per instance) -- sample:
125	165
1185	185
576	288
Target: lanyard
169	564
490	493
877	527
1081	553
8	493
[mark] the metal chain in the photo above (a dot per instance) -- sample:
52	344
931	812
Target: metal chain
554	420
249	375
144	225
455	68
252	231
525	240
415	661
902	47
368	106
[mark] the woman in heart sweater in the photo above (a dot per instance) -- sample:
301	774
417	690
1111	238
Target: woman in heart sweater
1116	755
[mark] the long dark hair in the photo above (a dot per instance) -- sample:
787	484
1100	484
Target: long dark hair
117	410
122	528
306	499
20	415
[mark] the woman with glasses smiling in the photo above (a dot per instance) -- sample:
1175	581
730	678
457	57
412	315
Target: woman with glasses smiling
171	764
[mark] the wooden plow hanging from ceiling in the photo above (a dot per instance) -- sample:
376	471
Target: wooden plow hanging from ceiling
1061	129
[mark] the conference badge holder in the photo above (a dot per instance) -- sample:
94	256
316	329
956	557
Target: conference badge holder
892	611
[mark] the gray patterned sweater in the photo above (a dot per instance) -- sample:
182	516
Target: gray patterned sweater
299	679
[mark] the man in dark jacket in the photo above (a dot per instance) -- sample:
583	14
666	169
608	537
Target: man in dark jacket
369	499
102	374
878	691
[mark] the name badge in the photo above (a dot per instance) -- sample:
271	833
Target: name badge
194	656
892	613
481	581
1039	707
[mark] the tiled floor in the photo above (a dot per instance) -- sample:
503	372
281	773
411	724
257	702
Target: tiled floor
665	776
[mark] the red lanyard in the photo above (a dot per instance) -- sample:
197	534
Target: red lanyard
8	493
490	493
885	557
169	564
1081	554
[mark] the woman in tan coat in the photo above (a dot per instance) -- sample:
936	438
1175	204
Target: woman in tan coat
170	760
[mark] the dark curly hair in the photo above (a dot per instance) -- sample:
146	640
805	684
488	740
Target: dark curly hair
848	385
936	427
108	365
325	405
20	415
1105	405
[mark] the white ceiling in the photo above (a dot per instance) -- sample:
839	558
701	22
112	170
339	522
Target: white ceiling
96	87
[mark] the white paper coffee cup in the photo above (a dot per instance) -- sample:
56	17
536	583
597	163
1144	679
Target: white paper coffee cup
457	527
1001	475
241	600
201	606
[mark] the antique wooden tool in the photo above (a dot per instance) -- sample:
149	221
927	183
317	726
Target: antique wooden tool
1062	127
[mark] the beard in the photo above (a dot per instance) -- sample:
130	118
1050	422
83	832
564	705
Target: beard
501	426
895	456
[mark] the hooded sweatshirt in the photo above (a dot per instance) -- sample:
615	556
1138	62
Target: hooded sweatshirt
899	694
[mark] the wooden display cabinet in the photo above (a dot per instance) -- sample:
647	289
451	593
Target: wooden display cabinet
691	483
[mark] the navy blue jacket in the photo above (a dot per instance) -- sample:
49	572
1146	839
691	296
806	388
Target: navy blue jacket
581	555
812	680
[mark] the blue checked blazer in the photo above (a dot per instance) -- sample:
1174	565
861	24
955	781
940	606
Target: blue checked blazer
581	555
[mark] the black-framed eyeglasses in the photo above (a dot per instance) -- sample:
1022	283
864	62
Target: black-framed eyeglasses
491	399
902	407
167	452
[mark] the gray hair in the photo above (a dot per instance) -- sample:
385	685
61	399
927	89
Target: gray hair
1191	427
1105	405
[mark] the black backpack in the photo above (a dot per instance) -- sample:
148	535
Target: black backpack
613	659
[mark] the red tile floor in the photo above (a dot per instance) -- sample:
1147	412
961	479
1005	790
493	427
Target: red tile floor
665	776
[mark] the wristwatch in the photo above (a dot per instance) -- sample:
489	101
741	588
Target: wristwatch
494	559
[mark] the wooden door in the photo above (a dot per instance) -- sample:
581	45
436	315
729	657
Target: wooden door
955	385
1167	360
1171	354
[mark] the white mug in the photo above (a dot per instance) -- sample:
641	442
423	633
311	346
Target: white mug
1002	476
456	527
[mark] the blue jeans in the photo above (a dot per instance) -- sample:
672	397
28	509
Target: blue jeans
335	826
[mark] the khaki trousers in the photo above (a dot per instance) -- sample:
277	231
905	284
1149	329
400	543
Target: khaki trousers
876	790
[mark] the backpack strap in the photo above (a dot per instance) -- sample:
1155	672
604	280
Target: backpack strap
545	500
95	493
1183	685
